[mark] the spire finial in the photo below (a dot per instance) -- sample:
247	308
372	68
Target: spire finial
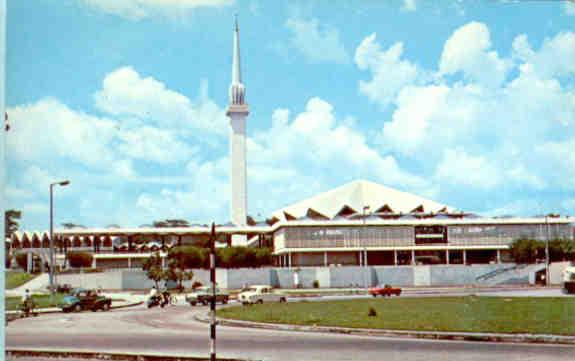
236	21
237	90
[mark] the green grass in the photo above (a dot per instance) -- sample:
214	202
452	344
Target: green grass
468	314
15	279
42	301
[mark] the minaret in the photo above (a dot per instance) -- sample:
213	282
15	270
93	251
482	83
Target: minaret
238	111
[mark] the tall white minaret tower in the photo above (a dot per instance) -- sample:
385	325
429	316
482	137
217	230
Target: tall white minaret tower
238	111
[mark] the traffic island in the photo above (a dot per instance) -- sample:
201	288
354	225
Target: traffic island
471	318
42	354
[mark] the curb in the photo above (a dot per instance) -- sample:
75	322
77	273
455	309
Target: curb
14	353
435	335
41	311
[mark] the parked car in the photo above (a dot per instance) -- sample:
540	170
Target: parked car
384	290
569	280
81	299
203	295
260	294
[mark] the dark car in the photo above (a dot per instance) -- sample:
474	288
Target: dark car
82	299
385	290
203	295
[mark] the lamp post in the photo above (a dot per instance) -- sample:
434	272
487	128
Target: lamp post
61	183
546	250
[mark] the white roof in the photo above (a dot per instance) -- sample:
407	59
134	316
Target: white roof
358	194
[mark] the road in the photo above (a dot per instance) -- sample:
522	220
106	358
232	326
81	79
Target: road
173	330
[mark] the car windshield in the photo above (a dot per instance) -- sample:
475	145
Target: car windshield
252	289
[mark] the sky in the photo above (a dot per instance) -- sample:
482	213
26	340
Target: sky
468	103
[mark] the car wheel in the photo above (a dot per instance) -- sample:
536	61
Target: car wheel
260	301
205	302
225	301
374	295
193	303
106	307
282	299
78	308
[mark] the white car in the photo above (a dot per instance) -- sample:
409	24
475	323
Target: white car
260	294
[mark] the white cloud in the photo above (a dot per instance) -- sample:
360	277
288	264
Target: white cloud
140	9
569	7
389	73
475	171
468	51
126	93
553	59
149	143
516	135
409	5
48	129
318	44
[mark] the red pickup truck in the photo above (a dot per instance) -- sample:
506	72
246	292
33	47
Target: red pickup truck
385	290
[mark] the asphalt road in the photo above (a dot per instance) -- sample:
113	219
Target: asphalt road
173	330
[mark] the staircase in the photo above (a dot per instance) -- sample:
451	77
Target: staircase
510	275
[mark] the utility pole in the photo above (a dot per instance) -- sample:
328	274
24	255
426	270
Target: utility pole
546	250
52	263
213	299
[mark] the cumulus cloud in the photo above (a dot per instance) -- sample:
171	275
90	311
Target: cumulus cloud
468	51
409	5
140	9
389	72
126	93
569	7
317	43
553	59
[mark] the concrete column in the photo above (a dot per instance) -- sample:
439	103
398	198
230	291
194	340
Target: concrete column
325	259
498	256
94	262
464	257
361	258
365	262
413	257
29	262
447	256
395	257
289	259
164	262
129	262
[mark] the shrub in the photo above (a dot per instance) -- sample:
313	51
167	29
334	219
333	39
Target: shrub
80	259
371	312
188	256
315	284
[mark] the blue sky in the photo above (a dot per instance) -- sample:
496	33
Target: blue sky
469	103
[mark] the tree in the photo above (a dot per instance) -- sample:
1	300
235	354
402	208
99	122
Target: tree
189	256
153	268
561	250
11	225
70	225
526	250
177	270
171	223
80	259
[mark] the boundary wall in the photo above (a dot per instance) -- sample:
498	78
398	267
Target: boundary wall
327	277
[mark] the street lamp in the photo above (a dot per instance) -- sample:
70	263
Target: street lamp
61	183
546	250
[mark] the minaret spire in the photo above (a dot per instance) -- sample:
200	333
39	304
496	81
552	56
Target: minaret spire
237	89
236	71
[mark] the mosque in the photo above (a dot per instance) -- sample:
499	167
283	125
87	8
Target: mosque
359	223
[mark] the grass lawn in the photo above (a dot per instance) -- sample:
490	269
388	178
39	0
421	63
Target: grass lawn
15	279
42	301
545	315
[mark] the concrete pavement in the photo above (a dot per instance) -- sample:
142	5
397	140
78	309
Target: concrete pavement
174	331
